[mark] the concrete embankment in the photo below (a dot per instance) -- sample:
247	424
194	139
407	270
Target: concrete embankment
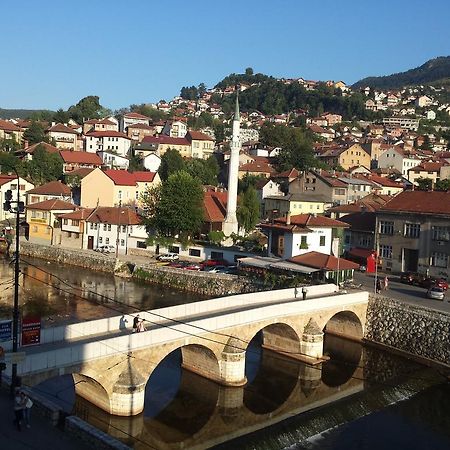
198	282
416	332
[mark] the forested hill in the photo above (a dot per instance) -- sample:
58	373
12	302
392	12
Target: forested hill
272	96
18	113
434	70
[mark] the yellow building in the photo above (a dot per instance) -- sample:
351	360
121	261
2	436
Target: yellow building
42	219
115	187
347	158
294	204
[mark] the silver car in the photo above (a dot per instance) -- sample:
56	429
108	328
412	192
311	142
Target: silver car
436	293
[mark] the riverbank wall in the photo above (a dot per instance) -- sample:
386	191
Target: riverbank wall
414	331
202	283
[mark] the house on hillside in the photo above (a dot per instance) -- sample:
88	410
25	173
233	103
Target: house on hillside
214	211
66	138
202	145
9	183
28	152
79	160
113	141
49	191
115	187
132	119
10	131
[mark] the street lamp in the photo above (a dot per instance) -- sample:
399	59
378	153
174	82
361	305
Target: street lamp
19	208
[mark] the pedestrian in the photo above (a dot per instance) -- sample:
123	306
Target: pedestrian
18	410
135	324
378	286
304	292
386	283
295	292
27	403
141	326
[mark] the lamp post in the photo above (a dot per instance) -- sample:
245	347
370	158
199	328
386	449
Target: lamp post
19	206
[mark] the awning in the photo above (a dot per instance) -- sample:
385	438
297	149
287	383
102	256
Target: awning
275	263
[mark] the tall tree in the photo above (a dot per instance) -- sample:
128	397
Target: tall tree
87	108
171	162
44	166
35	133
248	210
179	212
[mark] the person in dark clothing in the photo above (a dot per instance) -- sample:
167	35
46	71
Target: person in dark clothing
136	323
18	410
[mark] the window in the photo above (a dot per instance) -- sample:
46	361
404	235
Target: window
194	252
439	259
440	233
141	244
339	191
75	223
107	240
104	227
91	226
386	227
137	195
122	243
216	255
100	240
124	228
386	251
322	241
109	227
412	230
95	226
174	249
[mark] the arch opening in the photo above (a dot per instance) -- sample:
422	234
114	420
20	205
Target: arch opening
345	324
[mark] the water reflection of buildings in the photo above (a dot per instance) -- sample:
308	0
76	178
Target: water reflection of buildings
203	414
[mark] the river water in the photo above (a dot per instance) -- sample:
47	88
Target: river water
361	399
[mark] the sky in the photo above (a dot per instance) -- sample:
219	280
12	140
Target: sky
56	52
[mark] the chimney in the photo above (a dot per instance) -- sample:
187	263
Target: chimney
288	218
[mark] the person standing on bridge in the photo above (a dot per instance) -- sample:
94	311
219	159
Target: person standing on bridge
18	410
136	323
386	283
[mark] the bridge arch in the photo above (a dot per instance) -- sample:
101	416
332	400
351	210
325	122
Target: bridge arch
346	324
92	390
280	337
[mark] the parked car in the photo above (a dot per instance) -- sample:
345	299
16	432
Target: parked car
216	269
212	263
429	282
192	266
106	249
436	293
411	278
168	257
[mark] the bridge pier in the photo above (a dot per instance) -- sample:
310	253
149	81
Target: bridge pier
232	364
128	393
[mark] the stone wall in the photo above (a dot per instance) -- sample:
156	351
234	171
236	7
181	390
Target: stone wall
414	330
204	283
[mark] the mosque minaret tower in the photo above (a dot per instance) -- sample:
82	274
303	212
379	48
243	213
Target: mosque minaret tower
230	224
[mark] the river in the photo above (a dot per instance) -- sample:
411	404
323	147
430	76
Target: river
360	399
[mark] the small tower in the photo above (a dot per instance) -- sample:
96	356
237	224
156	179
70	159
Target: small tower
230	224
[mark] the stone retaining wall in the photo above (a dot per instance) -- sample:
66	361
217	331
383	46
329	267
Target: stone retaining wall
203	283
414	330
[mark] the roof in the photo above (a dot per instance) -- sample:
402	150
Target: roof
52	204
69	156
6	125
48	147
163	139
361	221
323	261
114	215
215	206
141	126
263	262
419	202
303	222
291	173
427	167
51	188
255	166
79	214
81	172
6	179
125	178
107	133
361	252
133	115
61	128
198	136
102	121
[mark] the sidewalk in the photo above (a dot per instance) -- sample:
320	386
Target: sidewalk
41	436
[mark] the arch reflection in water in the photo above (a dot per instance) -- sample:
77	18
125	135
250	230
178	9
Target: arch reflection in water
345	360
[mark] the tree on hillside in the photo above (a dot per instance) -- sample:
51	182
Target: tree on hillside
44	166
179	211
249	180
61	116
9	145
8	161
171	162
248	210
35	133
442	185
205	170
424	184
87	108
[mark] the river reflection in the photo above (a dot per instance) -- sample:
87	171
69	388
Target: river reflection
63	294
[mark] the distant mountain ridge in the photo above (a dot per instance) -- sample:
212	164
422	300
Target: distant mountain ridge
18	113
433	71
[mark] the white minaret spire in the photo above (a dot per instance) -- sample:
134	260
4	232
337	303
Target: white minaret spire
230	224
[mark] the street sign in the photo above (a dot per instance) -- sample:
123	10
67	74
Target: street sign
5	330
14	358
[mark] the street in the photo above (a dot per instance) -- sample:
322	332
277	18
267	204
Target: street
405	292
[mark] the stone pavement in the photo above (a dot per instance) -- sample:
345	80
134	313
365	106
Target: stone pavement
41	436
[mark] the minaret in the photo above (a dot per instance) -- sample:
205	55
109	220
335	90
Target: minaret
230	224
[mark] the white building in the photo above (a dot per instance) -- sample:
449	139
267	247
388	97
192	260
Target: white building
132	119
114	161
394	158
116	141
9	183
152	162
176	128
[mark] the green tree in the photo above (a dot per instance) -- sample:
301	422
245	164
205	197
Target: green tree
249	180
35	133
442	185
136	163
248	210
87	108
424	184
44	166
179	211
9	145
9	161
61	116
219	131
171	162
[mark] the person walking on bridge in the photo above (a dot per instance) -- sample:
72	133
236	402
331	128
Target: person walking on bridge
18	410
136	323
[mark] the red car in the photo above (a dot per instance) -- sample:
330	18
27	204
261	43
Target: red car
212	263
429	282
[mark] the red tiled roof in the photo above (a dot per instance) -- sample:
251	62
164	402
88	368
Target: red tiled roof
69	156
114	215
107	133
421	202
61	128
48	147
6	125
82	172
125	178
79	214
6	179
291	173
102	121
427	167
51	188
52	204
303	222
133	115
141	126
163	139
255	166
198	136
323	261
215	206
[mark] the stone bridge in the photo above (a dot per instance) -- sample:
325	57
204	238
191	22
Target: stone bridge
111	366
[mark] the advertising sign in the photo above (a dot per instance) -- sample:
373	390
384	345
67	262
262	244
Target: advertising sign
31	331
5	330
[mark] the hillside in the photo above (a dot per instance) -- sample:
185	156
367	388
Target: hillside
18	113
434	71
